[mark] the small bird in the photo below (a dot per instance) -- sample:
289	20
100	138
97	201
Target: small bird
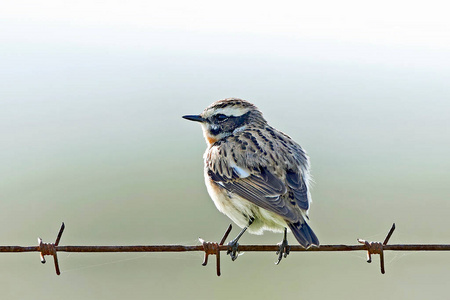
255	174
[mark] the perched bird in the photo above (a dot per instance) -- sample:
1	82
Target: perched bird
255	174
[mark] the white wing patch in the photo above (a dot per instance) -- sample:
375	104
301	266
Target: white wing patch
242	173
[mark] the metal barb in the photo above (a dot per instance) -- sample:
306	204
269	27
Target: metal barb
391	231
212	248
50	249
377	248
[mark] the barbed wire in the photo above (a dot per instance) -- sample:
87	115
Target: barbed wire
214	248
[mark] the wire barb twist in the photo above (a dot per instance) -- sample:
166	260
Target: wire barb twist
50	249
212	248
377	248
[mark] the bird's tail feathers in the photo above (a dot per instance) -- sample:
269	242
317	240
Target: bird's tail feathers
304	234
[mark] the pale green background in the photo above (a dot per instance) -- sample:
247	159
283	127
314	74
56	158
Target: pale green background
91	134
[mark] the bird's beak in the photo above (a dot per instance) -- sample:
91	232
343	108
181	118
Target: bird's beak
195	118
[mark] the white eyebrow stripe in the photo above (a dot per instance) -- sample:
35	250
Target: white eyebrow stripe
231	111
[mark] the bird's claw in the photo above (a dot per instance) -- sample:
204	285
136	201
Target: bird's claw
284	248
233	250
283	251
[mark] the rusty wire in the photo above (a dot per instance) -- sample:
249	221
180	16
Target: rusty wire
213	248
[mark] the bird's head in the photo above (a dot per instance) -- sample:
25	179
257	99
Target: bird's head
225	117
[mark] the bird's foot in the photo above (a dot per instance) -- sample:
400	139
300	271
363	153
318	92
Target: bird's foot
284	248
233	246
233	249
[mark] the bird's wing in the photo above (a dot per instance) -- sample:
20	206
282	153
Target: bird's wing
299	188
257	185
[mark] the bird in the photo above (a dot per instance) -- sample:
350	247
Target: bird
256	175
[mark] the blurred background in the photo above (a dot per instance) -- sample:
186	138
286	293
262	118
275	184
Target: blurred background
91	99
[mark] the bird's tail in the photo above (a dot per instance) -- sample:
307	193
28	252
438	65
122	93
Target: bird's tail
304	234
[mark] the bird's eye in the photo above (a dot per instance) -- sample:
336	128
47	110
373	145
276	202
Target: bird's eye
221	117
